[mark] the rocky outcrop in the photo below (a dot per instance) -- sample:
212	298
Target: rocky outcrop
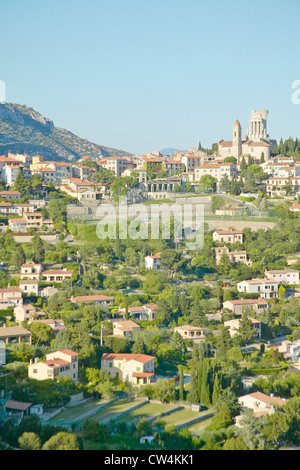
24	130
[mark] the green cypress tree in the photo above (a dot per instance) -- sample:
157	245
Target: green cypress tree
200	373
243	164
193	392
216	390
38	249
205	395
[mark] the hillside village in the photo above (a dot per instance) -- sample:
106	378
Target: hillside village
126	344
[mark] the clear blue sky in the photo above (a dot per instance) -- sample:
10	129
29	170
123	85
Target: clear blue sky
142	75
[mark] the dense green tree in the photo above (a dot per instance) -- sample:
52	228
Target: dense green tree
246	332
38	249
18	257
29	441
41	332
62	441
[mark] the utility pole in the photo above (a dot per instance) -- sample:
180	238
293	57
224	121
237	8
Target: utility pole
101	337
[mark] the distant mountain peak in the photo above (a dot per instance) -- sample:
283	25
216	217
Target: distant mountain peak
25	130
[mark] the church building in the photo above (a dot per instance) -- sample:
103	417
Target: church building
255	143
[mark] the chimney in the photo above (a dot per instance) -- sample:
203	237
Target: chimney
31	362
36	360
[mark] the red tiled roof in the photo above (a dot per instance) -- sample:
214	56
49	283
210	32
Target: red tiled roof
157	256
142	374
266	398
91	298
142	358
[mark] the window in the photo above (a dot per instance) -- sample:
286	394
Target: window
110	364
138	369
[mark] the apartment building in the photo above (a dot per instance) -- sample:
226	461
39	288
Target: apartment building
191	162
116	164
216	170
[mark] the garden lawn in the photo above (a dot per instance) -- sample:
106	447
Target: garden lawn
182	416
76	411
146	411
111	411
197	428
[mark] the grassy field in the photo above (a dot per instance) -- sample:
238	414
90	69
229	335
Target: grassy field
197	428
76	411
111	411
182	416
146	411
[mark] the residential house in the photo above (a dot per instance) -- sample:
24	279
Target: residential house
191	332
284	276
152	261
258	401
233	326
48	291
137	369
124	328
228	236
143	312
29	286
10	297
97	299
56	275
234	256
59	364
17	225
191	162
266	288
15	334
238	307
10	195
31	271
216	170
290	350
27	312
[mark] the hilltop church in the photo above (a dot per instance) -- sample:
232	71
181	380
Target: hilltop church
255	143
